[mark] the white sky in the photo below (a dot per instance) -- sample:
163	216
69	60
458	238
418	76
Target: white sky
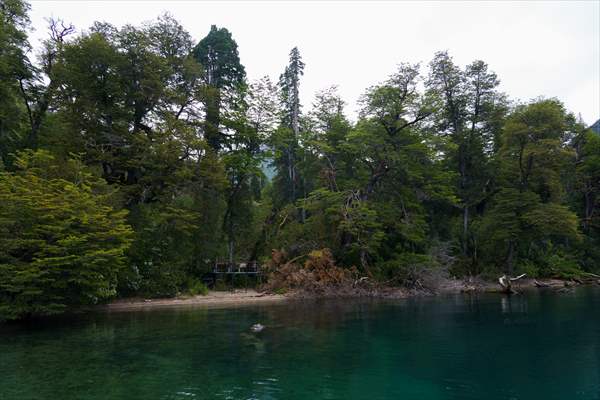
541	48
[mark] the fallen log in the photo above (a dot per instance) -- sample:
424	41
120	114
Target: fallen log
540	284
590	275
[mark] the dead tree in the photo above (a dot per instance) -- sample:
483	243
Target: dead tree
506	283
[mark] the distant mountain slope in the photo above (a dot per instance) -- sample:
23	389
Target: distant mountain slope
596	127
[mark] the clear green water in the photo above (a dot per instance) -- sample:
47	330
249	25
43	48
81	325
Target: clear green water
539	346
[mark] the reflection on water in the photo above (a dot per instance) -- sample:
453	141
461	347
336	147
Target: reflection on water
513	304
539	346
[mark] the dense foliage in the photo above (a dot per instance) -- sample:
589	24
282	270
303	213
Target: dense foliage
134	158
61	243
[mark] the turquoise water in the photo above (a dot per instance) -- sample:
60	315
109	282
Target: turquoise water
539	346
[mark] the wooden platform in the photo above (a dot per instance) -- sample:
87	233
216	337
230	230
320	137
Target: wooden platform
226	271
236	268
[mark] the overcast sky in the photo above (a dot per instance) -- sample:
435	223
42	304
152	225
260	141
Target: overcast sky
539	48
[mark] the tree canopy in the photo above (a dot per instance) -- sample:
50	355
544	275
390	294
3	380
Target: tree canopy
133	158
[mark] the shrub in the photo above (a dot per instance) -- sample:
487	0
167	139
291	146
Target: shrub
196	287
61	243
564	267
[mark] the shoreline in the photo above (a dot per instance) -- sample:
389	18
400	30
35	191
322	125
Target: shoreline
214	299
242	297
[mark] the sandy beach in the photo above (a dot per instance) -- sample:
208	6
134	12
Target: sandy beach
215	299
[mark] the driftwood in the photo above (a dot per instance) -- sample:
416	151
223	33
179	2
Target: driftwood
468	289
506	283
360	281
540	284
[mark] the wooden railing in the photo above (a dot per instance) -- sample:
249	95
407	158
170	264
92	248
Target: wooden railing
250	268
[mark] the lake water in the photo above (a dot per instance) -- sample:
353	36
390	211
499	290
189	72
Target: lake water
539	346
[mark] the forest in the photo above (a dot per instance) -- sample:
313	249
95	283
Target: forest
132	158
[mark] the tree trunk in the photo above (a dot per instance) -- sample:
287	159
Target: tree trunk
302	209
291	173
363	261
509	259
589	210
230	250
213	120
465	229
